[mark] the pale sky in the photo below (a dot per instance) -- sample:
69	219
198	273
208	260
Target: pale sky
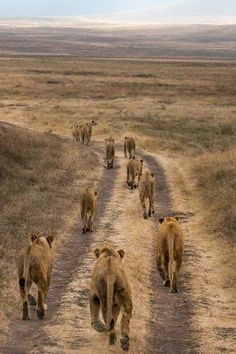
192	9
36	8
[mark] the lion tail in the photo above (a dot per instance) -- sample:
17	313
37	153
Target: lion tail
171	246
23	280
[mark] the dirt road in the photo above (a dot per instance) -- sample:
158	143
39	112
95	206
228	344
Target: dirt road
161	322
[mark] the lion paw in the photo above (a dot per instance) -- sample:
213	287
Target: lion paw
124	343
31	300
98	326
166	283
40	313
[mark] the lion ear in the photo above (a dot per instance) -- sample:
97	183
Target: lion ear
97	252
33	238
95	193
141	161
161	220
50	240
176	218
51	236
121	253
152	174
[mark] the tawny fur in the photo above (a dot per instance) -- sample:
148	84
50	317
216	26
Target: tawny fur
75	133
88	208
110	292
146	193
170	250
129	146
83	134
134	169
110	152
35	266
89	128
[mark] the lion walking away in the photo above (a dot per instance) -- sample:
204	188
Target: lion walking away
88	208
129	146
110	292
110	152
146	193
35	266
170	249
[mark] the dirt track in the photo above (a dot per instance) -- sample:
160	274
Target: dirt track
161	323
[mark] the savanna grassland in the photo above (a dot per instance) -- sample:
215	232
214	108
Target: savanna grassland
184	109
184	112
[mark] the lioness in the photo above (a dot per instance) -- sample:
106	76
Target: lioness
75	133
129	145
88	208
111	292
146	191
89	127
35	265
110	152
134	169
170	249
83	134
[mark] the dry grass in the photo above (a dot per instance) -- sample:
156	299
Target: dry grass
185	109
40	178
97	40
216	183
213	265
123	226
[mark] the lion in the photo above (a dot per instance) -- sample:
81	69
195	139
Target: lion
170	249
75	133
134	169
88	208
147	191
110	151
35	266
83	134
110	139
129	145
89	128
110	291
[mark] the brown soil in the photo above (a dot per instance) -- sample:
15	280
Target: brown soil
162	322
167	326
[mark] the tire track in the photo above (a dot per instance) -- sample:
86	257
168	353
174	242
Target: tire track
25	335
66	328
170	329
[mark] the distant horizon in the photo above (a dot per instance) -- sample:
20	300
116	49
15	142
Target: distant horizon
65	20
